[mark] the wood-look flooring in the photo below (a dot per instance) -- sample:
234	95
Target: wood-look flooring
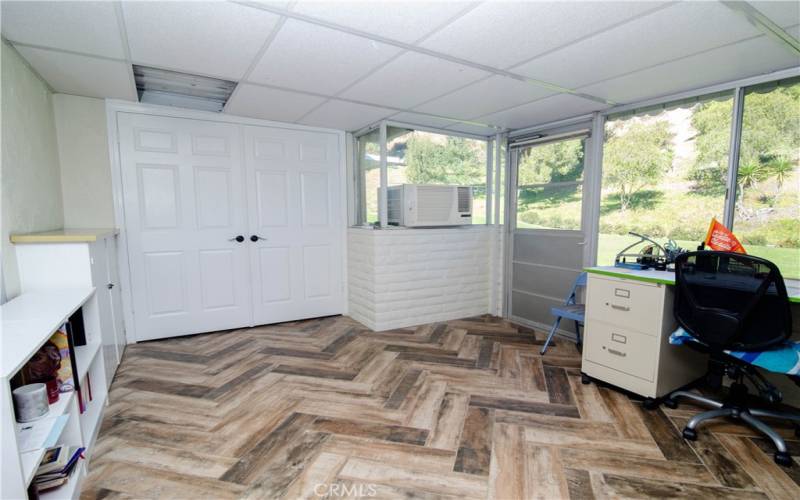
463	409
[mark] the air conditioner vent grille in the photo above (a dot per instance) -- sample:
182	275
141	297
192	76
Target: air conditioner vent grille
434	203
464	195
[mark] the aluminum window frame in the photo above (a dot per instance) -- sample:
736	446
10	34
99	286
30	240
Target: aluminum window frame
358	195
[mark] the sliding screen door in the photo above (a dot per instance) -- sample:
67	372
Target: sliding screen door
547	230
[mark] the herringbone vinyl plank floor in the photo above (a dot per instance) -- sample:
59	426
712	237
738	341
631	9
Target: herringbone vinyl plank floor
462	409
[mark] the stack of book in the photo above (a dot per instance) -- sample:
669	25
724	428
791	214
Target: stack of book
57	464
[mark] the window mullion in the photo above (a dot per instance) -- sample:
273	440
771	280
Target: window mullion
489	183
733	156
383	202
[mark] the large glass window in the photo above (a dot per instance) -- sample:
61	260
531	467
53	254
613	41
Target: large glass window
419	157
664	174
550	185
767	213
368	178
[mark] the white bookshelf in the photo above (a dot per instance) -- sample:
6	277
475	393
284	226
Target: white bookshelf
28	321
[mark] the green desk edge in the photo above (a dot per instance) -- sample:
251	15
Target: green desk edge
645	279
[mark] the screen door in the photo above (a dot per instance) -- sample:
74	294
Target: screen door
547	236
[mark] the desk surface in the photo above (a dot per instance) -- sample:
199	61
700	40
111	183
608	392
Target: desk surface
668	278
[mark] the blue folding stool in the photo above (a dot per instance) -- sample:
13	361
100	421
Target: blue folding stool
570	310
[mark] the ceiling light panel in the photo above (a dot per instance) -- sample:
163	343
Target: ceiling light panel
486	96
271	104
88	27
315	59
345	115
397	20
412	79
501	34
171	88
681	29
210	38
81	75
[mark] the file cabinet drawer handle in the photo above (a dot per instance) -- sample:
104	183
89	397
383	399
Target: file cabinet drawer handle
620	308
617	353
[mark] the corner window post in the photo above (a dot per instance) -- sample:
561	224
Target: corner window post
489	182
733	156
383	204
498	165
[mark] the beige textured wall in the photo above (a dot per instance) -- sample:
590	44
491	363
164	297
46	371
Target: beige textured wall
85	167
31	179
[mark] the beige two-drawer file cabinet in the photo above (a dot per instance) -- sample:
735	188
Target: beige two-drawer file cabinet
626	339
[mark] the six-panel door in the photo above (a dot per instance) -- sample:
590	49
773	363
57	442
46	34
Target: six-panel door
184	205
192	187
293	195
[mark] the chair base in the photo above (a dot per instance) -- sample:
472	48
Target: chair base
737	412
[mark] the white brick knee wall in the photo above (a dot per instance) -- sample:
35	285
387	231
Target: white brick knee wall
406	277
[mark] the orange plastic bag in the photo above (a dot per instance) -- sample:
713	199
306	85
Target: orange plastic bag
721	239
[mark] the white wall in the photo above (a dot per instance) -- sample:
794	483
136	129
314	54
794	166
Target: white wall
405	277
83	155
31	179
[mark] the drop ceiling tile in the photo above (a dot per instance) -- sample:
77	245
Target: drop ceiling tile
422	120
671	33
312	58
209	38
345	115
741	60
469	128
411	79
483	97
546	110
501	34
398	20
82	75
270	104
784	14
89	27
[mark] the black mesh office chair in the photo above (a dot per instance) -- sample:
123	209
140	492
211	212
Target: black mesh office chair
735	303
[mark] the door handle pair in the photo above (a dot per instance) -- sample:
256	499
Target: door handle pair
240	238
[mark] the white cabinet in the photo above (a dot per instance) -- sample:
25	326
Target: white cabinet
28	321
626	338
78	258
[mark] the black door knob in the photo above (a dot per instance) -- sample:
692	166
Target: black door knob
239	239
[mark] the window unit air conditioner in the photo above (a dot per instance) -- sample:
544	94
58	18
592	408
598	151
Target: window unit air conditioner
421	205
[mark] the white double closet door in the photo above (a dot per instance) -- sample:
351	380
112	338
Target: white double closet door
192	189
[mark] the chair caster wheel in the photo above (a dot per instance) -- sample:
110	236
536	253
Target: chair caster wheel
783	458
670	403
690	434
585	379
650	404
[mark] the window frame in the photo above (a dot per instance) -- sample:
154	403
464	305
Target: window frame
358	196
738	89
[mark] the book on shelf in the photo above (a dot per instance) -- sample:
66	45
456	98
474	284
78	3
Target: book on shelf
76	382
56	466
42	433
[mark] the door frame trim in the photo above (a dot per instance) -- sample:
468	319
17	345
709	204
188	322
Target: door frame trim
590	208
116	106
